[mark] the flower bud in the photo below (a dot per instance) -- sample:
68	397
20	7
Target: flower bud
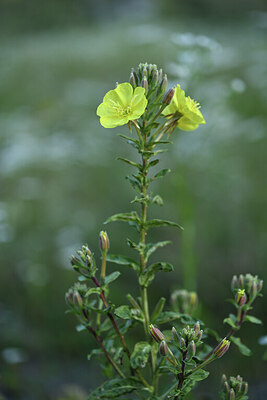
253	290
184	332
160	75
259	286
75	261
69	297
232	394
234	283
86	250
154	77
144	84
241	281
226	387
132	80
145	73
222	348
175	334
197	327
163	348
163	86
193	299
168	96
78	301
240	297
103	241
191	350
182	343
244	387
89	261
224	378
199	335
156	334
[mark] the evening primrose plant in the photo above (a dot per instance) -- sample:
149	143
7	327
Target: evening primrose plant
177	348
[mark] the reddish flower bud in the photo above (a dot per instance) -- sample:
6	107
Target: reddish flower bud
156	333
240	297
222	348
103	241
163	348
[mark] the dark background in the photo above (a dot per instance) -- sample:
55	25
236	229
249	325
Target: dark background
60	179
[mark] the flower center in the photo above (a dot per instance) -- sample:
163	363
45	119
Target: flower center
121	111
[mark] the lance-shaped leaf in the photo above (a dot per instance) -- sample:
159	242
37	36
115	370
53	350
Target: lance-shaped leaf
132	163
167	316
242	348
114	388
146	278
134	182
157	200
158	309
160	222
121	260
131	141
112	277
125	217
161	173
140	355
252	319
151	247
199	375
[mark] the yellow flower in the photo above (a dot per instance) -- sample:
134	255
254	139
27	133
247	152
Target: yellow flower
122	105
186	110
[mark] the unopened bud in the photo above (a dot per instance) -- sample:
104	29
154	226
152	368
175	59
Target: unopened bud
86	250
103	241
193	299
226	387
238	387
163	85
154	78
182	343
234	283
222	348
168	96
259	286
160	75
224	378
89	261
232	394
144	84
197	327
69	297
191	350
240	297
253	290
78	301
156	334
145	74
132	80
175	335
241	281
244	388
75	261
163	348
199	336
184	332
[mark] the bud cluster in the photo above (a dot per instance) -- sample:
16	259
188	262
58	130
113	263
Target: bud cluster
184	301
150	78
187	339
246	288
84	263
234	388
158	336
74	296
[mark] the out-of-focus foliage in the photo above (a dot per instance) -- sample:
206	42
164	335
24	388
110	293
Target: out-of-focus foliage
60	180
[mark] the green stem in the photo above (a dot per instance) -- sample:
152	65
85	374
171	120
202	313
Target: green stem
102	280
212	358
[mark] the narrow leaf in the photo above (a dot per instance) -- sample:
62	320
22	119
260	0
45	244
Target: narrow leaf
161	222
242	348
134	164
253	320
161	173
123	312
126	217
112	277
230	322
151	247
158	309
167	316
121	260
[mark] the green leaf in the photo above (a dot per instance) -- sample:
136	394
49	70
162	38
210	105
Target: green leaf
97	290
151	247
114	388
134	164
161	222
230	322
157	200
153	163
125	217
252	319
94	352
242	348
146	278
167	316
158	309
199	375
140	355
121	260
112	277
161	173
80	328
134	182
169	368
123	312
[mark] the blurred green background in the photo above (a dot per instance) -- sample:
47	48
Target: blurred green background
60	179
